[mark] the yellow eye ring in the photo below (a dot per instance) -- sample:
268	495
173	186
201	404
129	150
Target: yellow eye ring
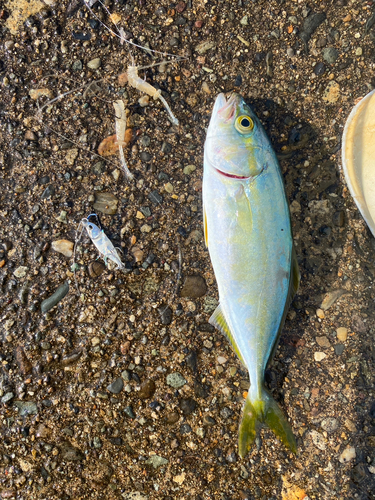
244	124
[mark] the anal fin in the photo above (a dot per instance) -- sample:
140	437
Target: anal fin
218	321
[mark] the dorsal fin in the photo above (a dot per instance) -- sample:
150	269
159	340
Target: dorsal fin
205	227
218	321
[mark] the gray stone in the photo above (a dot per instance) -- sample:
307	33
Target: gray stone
128	410
126	375
97	443
77	66
165	314
26	408
210	304
330	424
155	197
185	429
116	386
55	298
7	397
310	25
330	55
339	349
176	380
156	461
145	156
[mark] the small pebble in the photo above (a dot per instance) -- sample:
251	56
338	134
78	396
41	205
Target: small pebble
156	461
128	410
347	455
116	386
319	68
204	47
51	301
188	406
330	424
319	356
95	268
342	334
147	389
320	313
36	93
189	169
77	66
330	55
94	63
339	349
26	408
176	380
63	246
318	440
323	341
193	287
21	272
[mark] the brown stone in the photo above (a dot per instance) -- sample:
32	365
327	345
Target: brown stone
147	390
95	269
106	203
180	7
323	341
22	361
98	474
172	418
193	287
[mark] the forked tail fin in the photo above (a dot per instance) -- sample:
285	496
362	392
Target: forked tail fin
267	411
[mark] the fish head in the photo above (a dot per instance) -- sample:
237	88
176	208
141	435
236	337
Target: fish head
235	140
92	230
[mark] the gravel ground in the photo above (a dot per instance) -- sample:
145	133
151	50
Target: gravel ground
123	389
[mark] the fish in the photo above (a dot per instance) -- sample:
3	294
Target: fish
248	234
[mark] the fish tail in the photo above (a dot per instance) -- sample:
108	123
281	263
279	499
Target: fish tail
263	410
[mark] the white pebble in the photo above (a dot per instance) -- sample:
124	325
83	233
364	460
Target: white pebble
63	246
347	455
144	101
319	356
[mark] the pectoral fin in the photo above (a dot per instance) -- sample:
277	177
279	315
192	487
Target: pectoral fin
218	321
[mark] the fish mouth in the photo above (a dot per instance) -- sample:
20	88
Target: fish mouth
227	108
231	176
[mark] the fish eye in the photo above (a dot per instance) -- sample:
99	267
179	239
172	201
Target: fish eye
244	124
